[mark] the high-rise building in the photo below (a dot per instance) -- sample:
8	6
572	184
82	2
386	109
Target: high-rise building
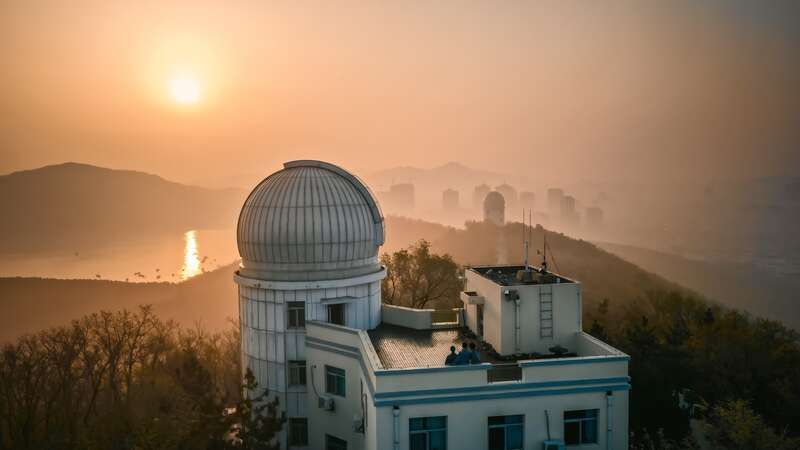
450	200
554	196
510	196
478	195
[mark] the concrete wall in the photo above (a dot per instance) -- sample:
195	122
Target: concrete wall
418	319
499	315
467	421
267	342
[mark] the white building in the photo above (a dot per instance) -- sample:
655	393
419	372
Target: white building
353	374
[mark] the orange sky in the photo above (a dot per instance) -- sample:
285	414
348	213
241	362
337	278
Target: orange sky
634	90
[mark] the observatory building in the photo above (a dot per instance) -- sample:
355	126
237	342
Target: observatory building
351	373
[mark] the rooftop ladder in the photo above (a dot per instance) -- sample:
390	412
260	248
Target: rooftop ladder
546	311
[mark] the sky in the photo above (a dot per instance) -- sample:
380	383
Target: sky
613	90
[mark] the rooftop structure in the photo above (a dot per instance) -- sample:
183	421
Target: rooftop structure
353	373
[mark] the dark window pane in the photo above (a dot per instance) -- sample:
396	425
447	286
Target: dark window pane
574	414
432	423
416	424
438	440
591	413
514	437
419	441
514	419
334	443
497	439
589	431
497	420
572	433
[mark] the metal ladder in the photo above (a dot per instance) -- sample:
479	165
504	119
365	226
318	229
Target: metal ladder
546	311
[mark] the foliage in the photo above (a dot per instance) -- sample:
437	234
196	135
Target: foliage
686	351
734	425
417	278
125	380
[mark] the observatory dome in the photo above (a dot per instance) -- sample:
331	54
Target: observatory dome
309	221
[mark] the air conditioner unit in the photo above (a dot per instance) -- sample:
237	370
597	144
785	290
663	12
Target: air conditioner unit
554	444
327	403
358	423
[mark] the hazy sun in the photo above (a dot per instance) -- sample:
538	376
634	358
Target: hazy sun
184	90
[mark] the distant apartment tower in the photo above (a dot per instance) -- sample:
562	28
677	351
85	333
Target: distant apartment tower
478	195
494	208
510	196
450	200
554	196
594	217
527	200
568	214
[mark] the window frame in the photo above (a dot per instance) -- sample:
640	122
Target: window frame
293	421
506	427
426	431
330	371
299	367
581	421
343	307
294	320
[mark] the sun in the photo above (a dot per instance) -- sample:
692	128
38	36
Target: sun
185	90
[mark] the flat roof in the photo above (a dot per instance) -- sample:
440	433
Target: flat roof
507	275
403	348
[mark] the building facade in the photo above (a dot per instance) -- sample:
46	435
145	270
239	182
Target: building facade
352	373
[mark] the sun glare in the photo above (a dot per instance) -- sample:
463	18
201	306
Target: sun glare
184	90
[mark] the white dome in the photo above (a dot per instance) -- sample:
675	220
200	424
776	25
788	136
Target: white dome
310	221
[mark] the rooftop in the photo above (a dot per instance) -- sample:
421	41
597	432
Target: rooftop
402	348
507	275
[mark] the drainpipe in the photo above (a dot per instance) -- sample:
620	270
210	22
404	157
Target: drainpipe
516	325
396	414
609	417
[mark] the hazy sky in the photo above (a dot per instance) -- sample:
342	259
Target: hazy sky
633	90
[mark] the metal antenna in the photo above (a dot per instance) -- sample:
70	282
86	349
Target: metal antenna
524	239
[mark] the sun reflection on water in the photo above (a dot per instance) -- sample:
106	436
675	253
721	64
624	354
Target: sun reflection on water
191	260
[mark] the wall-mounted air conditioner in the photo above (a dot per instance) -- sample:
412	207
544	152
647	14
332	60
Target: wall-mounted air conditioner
554	444
327	403
358	423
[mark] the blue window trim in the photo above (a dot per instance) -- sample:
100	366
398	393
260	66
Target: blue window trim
501	395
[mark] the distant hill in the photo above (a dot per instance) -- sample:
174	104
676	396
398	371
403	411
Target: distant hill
742	286
602	274
32	304
43	208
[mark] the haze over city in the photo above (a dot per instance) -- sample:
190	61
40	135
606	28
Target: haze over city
530	208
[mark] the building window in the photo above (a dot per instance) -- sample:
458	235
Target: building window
297	373
298	431
334	381
297	314
334	443
580	427
336	313
506	432
428	433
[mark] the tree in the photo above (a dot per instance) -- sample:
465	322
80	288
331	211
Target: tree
256	422
417	278
734	425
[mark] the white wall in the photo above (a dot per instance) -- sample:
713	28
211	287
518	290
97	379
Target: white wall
499	315
467	421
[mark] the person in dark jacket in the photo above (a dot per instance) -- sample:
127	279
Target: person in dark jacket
474	357
464	356
451	358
